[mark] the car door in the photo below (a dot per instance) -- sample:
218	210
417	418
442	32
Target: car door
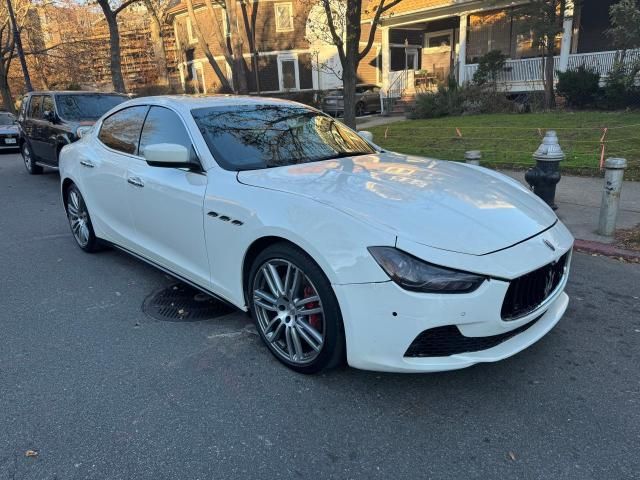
167	203
48	132
105	174
33	125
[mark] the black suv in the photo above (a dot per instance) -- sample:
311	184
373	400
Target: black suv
50	120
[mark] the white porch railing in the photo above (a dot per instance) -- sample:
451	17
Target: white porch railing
529	70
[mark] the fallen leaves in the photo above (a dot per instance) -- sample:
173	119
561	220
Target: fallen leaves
512	456
31	453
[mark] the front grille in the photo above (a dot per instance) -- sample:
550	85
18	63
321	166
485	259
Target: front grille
447	340
529	291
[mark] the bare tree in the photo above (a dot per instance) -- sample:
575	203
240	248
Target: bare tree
348	45
7	49
205	47
158	12
111	17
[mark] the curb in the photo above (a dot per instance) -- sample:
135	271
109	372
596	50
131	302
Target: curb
606	250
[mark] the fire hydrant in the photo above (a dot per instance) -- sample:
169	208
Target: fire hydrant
544	177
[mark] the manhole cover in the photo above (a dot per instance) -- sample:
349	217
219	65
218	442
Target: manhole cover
182	303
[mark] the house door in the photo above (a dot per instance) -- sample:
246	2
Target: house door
436	54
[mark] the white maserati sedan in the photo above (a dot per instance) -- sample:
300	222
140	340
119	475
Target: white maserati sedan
337	248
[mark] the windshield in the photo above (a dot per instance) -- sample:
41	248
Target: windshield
86	106
7	119
251	137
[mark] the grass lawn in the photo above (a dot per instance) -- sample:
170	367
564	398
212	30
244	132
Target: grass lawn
509	140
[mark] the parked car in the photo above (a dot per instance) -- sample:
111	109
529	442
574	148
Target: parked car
333	245
9	132
367	100
50	120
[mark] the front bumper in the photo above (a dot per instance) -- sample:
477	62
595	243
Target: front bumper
382	320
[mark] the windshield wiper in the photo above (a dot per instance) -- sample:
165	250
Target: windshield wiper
343	155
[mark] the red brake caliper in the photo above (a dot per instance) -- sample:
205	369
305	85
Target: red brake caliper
314	319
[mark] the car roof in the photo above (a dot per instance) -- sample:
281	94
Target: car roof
74	92
190	102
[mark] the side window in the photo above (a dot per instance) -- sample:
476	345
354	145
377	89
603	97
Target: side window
35	107
47	104
121	130
375	90
164	126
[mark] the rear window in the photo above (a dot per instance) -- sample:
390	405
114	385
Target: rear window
86	107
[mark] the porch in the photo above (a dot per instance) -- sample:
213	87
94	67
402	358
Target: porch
423	50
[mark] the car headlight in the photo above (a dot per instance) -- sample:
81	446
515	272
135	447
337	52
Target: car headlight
417	275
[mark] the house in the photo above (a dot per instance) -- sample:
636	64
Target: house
423	42
293	53
417	45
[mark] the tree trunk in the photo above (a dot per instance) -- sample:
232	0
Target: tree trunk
239	72
549	67
159	51
114	47
5	91
350	61
224	83
18	45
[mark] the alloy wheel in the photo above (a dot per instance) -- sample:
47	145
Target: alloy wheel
289	311
78	218
26	155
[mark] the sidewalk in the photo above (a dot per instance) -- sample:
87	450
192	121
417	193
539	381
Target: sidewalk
377	119
578	200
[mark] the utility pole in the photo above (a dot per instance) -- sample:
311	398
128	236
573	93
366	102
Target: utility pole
18	43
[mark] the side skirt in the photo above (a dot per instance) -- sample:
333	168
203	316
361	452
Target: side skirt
174	275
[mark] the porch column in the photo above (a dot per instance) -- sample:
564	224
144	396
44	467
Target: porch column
386	58
462	49
567	33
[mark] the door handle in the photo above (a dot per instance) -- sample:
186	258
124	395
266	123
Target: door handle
135	181
86	163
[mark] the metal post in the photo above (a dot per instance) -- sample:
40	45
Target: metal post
473	157
614	172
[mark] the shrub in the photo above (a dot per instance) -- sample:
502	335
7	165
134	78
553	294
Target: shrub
621	90
446	101
490	66
467	100
579	87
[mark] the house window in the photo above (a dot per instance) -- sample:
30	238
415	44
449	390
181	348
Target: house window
288	72
284	17
190	32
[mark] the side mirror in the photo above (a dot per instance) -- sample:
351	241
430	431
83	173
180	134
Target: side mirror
49	116
368	136
169	155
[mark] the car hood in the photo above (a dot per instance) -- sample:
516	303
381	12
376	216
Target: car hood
445	205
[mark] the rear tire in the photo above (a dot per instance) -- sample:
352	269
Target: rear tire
29	160
360	110
80	221
305	342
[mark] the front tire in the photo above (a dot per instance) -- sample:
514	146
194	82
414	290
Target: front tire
295	310
80	221
29	160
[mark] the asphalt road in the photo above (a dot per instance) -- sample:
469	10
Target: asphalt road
101	391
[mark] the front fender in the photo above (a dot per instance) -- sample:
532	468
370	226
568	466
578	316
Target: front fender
336	241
